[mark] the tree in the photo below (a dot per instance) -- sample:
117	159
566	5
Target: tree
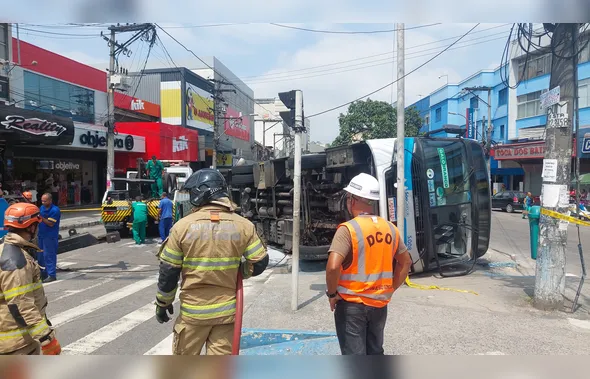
374	119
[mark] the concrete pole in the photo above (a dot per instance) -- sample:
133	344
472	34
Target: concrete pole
111	121
401	193
489	131
551	257
296	199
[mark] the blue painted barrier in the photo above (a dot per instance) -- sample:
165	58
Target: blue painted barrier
288	342
3	208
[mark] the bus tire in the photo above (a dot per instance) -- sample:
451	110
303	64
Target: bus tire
313	253
237	180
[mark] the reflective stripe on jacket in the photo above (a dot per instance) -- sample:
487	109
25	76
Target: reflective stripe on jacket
369	278
207	247
22	298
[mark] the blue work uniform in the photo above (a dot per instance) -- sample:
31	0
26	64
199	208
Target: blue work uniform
166	217
48	240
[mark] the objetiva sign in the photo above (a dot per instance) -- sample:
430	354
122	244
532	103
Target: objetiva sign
98	140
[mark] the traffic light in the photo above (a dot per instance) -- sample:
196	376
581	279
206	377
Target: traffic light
288	98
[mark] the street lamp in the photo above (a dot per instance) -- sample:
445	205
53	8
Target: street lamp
459	114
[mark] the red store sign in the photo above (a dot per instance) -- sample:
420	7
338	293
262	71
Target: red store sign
133	104
536	151
166	142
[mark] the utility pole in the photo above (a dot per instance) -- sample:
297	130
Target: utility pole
401	181
299	128
218	114
551	257
486	137
111	120
141	31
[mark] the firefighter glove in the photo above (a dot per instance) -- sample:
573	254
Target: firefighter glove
161	313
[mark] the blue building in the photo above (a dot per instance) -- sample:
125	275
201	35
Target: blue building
449	104
518	122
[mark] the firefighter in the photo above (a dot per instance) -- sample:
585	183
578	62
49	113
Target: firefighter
24	328
206	247
155	171
368	262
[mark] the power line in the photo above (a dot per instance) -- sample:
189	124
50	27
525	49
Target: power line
349	32
384	61
216	72
381	54
58	33
395	81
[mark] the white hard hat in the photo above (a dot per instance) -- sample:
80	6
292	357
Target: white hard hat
365	186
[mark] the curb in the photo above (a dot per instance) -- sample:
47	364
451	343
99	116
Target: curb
524	265
80	225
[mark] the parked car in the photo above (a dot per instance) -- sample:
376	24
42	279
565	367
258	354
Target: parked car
509	201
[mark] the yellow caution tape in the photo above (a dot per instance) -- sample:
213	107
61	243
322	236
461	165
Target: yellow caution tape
422	287
560	216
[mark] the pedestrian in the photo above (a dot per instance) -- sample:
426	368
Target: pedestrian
24	328
140	218
155	171
528	203
368	262
49	238
206	248
166	218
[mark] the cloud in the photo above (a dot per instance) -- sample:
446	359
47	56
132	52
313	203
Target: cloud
329	86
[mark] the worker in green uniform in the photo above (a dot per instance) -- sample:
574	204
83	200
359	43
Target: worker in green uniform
155	171
140	217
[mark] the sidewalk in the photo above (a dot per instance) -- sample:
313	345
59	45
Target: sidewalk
499	320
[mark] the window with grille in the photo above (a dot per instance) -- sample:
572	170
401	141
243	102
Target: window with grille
529	105
584	93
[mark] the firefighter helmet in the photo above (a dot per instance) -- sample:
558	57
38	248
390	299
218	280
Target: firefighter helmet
21	215
205	186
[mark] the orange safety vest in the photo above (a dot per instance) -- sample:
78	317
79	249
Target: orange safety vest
369	278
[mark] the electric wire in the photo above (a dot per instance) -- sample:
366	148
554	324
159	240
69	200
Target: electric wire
395	81
215	71
349	68
351	32
386	53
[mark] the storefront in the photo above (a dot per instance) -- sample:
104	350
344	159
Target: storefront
167	142
74	173
22	131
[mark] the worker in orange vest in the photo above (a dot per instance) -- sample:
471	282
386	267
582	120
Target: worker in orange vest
368	262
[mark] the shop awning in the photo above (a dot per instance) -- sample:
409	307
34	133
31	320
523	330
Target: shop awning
584	179
22	126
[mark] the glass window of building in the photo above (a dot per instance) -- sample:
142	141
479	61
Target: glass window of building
4	42
535	66
60	98
503	97
474	103
438	115
583	93
529	105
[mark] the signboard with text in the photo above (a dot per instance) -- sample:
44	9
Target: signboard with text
95	139
528	151
33	127
134	104
470	124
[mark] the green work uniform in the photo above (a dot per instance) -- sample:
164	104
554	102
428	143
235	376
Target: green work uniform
140	217
156	170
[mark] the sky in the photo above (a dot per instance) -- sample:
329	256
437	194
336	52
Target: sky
331	69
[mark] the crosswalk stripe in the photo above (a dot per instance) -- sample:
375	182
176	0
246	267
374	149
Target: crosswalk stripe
96	267
91	306
103	281
110	332
163	348
62	265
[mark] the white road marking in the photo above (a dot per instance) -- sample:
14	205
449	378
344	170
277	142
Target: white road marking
570	275
63	265
91	306
104	280
584	324
162	348
99	338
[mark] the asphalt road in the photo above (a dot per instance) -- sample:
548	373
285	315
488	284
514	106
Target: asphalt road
67	214
103	300
511	235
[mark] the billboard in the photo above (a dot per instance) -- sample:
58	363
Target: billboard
199	108
235	126
170	103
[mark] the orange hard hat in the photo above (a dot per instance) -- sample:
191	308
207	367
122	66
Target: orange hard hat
21	215
27	195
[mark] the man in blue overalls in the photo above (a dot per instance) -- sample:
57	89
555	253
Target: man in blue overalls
48	238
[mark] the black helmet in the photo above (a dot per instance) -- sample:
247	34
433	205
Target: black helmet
204	186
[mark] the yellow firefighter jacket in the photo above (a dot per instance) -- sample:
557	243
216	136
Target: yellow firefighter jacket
22	298
207	246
